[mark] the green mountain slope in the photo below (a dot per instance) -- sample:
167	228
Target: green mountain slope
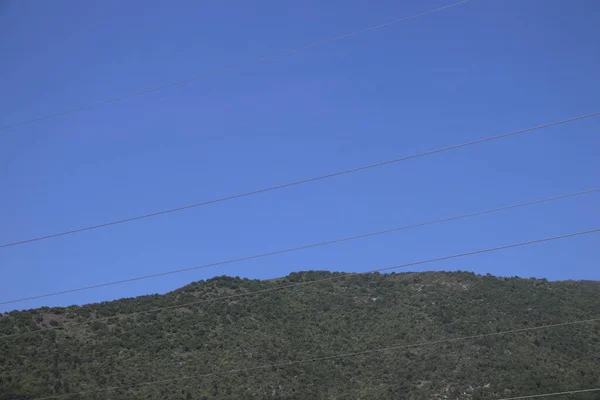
337	316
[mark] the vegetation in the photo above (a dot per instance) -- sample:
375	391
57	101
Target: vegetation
96	346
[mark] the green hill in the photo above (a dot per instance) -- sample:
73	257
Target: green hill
337	316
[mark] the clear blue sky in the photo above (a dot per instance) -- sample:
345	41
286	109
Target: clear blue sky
476	70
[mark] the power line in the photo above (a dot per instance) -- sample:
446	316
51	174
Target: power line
293	285
230	68
305	247
317	359
533	396
303	181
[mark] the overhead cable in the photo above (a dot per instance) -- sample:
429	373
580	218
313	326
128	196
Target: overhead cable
534	396
229	68
300	182
304	247
296	284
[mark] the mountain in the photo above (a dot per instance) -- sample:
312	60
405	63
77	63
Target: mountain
95	346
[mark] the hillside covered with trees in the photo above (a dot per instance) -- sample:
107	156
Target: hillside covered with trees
96	346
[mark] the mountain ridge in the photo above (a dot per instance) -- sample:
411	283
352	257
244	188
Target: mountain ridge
352	313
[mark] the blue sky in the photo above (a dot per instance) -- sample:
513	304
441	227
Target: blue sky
476	70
